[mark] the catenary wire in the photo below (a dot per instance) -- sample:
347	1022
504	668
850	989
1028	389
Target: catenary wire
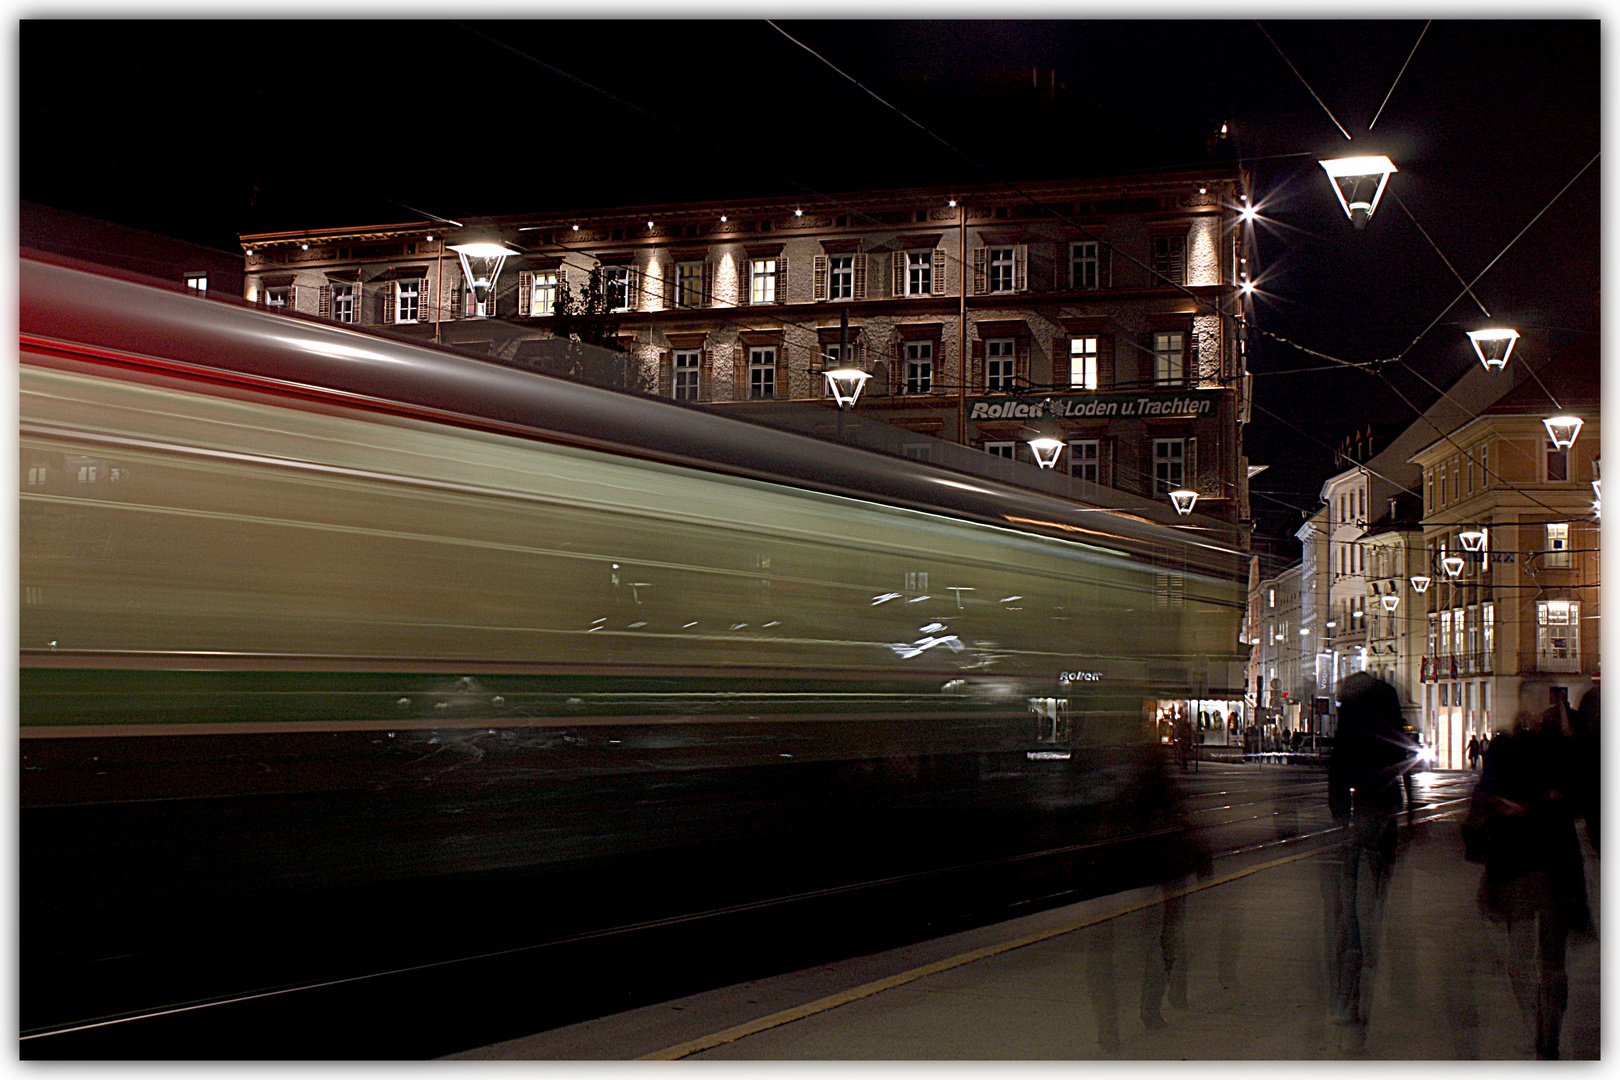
1398	74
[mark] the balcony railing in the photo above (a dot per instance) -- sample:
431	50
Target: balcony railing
1455	666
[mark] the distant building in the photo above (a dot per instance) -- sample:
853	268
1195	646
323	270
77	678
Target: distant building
1095	311
203	270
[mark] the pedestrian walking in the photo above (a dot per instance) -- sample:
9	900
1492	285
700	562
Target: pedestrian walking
1591	761
1475	751
1521	824
1367	785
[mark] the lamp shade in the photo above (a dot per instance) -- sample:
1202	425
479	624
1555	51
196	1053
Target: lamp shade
1472	539
1359	184
1563	430
1420	583
1493	347
1046	450
1390	601
1452	564
1183	500
845	385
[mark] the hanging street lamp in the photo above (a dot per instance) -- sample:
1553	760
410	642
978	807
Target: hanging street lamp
1359	184
1563	430
1420	583
481	263
845	385
1493	346
1390	602
1472	539
1452	564
1046	450
1183	500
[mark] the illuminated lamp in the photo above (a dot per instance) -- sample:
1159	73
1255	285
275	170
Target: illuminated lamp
1359	184
481	262
1452	564
1493	346
1390	602
649	224
1420	583
250	251
1046	450
1183	500
724	219
952	202
1472	539
798	213
1563	430
845	385
576	228
303	247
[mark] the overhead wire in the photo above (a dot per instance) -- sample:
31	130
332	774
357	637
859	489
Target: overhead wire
1398	74
1301	78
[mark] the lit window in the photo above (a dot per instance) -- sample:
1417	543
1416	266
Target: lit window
87	474
1083	265
1083	363
615	287
1085	459
688	284
1001	269
1000	356
197	283
1558	641
37	474
407	301
343	303
1271	597
1169	349
1557	551
919	367
841	277
545	292
1000	449
1169	465
686	375
762	370
919	273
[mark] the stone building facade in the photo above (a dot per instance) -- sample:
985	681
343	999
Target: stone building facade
1101	309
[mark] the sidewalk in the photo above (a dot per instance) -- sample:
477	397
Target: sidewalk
1256	975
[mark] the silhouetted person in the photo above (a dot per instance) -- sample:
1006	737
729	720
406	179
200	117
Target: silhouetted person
1475	752
1526	803
1367	771
1591	760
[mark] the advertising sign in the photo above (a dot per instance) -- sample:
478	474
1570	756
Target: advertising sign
1187	404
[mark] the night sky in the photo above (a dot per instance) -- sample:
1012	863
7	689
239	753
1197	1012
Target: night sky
207	130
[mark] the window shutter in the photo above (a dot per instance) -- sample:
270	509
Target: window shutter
489	304
897	274
1063	276
1190	469
666	374
1021	268
323	304
939	272
707	296
525	291
783	387
632	288
1021	361
744	275
1189	358
819	278
292	299
672	282
1105	462
781	279
860	275
458	303
1062	366
976	370
1105	361
1105	267
980	273
897	375
1178	260
706	376
387	299
739	374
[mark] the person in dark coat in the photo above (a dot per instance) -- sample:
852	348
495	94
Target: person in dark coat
1524	809
1475	752
1368	784
1591	760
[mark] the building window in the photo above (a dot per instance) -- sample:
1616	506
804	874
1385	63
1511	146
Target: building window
1000	356
1000	449
1169	465
197	283
276	298
1487	620
1558	640
1083	265
762	287
1557	463
1459	632
545	292
1085	460
1170	258
1001	269
407	301
37	474
841	277
1169	349
343	303
616	287
688	284
1445	631
762	371
919	273
919	367
1557	551
1083	363
1271	598
686	374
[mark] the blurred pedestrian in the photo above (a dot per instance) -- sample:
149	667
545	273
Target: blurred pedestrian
1522	822
1367	780
1475	752
1586	745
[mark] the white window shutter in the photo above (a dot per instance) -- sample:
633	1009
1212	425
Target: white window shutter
939	272
525	290
292	299
323	304
388	300
781	279
980	262
859	273
819	276
897	277
1021	268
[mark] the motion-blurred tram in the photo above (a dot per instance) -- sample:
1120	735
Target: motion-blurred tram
266	558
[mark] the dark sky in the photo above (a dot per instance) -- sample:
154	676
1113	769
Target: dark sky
204	130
